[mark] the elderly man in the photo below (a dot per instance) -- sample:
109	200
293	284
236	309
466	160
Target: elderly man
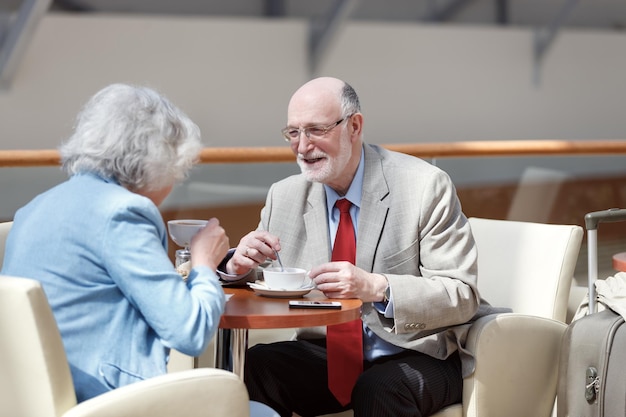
397	239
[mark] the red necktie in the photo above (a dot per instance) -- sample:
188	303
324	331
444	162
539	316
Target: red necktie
344	342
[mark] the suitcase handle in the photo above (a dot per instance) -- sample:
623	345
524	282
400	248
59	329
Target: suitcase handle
605	216
591	223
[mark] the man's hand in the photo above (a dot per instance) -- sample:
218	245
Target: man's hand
253	249
344	280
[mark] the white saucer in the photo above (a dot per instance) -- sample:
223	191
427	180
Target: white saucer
261	289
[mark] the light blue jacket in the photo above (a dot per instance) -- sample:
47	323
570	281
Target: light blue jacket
100	253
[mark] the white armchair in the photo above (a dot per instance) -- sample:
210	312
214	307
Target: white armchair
35	379
528	267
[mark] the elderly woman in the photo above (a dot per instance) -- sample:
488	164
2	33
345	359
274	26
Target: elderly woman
98	244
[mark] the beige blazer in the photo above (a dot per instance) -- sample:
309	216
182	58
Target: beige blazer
411	229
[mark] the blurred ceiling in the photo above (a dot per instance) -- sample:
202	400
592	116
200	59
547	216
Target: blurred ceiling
596	14
19	18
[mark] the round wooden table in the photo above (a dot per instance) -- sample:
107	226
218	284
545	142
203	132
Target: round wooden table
247	310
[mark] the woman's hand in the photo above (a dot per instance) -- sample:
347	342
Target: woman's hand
210	245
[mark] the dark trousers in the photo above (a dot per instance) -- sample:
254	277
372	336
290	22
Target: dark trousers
292	377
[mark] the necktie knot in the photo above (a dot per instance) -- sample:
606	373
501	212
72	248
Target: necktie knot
343	205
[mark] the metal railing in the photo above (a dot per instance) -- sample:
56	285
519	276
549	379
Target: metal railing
432	151
49	157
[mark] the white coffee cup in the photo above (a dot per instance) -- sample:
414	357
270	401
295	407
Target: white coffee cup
182	231
287	279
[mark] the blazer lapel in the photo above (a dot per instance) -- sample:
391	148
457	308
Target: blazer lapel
374	209
316	224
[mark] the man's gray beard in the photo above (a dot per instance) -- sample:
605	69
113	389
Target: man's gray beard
307	174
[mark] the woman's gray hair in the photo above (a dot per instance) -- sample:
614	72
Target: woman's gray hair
133	135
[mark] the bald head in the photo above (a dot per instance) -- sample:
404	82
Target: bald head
322	87
326	96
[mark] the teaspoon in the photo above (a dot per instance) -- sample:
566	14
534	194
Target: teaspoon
279	261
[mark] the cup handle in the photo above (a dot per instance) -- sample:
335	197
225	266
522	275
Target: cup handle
307	281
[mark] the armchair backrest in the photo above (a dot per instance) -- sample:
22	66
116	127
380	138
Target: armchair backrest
5	227
35	378
526	266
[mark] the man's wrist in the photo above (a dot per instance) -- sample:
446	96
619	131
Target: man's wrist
386	291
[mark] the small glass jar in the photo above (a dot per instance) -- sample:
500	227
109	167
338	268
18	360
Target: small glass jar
183	263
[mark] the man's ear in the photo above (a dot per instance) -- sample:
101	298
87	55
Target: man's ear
355	125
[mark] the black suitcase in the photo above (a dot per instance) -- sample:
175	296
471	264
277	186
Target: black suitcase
592	367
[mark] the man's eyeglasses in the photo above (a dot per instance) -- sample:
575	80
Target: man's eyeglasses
292	134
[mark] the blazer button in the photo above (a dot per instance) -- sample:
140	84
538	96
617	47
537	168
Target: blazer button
422	326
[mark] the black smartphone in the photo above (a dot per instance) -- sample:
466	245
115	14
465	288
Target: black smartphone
314	304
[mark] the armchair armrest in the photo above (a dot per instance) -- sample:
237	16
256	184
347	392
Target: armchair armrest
193	393
516	372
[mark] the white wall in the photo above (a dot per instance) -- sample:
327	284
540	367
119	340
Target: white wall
232	78
417	83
